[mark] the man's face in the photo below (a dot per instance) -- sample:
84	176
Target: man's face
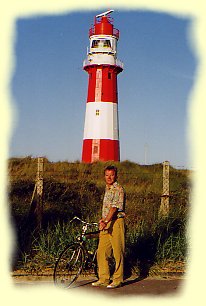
110	177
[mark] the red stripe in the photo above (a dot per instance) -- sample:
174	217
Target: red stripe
87	151
109	150
109	83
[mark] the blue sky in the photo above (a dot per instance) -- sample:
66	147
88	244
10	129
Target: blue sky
49	86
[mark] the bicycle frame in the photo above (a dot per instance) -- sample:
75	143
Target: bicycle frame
67	270
89	256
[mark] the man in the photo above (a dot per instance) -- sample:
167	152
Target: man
111	226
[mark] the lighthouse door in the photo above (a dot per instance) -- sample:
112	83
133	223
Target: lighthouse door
95	150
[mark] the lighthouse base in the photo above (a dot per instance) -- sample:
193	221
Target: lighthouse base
100	150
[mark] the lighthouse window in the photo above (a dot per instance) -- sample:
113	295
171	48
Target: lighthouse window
97	112
95	43
109	75
105	43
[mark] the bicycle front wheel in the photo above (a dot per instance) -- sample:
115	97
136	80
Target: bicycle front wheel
69	265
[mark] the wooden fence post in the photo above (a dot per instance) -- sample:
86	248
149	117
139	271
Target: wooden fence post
164	206
36	205
39	191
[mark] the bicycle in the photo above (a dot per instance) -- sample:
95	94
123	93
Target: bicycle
75	258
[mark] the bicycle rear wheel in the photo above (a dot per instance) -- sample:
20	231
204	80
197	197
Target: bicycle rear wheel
69	265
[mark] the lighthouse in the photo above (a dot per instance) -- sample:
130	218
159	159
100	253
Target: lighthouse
101	127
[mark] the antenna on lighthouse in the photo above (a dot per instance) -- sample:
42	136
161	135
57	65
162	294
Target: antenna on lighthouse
105	13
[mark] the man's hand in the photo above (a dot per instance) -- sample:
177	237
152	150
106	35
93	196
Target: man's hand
102	225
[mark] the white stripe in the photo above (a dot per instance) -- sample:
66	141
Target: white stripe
101	121
99	59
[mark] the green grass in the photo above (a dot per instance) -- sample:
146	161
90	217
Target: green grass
77	189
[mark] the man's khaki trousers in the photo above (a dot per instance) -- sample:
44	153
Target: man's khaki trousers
111	240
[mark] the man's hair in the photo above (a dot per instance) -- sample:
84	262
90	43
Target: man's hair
111	168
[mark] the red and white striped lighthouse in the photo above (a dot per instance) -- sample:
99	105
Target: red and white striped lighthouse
101	129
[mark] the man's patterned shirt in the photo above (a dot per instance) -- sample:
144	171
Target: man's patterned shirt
114	197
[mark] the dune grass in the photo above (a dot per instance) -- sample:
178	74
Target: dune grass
77	189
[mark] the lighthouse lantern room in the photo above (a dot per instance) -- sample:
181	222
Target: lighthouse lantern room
101	129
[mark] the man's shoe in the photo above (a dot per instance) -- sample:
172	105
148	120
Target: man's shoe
114	285
99	284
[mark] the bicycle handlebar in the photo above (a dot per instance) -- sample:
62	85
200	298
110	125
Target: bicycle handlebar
84	222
